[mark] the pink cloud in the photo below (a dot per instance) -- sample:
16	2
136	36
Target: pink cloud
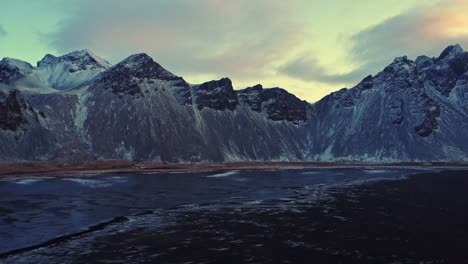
448	19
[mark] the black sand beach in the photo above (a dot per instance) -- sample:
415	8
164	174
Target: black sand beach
421	219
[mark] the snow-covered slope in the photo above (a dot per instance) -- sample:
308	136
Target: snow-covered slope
71	71
78	106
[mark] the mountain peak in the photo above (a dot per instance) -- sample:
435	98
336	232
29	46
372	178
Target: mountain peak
401	60
86	56
216	94
22	65
451	51
48	59
79	53
138	58
141	65
78	57
223	82
12	70
256	89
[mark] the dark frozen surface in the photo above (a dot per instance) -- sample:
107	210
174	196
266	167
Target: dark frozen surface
320	215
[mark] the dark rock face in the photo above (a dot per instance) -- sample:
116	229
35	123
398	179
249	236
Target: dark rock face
252	96
12	108
29	134
344	96
423	62
429	123
396	111
129	76
445	71
367	83
451	50
47	60
281	105
59	113
143	66
402	93
278	104
217	95
119	81
10	73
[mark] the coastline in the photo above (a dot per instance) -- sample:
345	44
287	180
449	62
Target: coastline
104	167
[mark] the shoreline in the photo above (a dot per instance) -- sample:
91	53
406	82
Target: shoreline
105	167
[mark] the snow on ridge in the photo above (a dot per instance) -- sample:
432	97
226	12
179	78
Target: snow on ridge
83	53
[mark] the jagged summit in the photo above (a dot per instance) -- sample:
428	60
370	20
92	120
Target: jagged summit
22	65
137	59
139	75
141	65
422	61
402	59
216	94
81	58
70	71
253	89
12	70
80	53
451	50
224	82
48	59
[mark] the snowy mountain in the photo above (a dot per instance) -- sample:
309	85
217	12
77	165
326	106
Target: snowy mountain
79	107
412	110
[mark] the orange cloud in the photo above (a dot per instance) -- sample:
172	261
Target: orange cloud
425	30
448	19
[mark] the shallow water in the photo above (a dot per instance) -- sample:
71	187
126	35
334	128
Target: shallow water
35	210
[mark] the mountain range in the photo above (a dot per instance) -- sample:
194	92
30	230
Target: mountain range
79	107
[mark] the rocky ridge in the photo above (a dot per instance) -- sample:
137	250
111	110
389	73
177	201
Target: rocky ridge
80	107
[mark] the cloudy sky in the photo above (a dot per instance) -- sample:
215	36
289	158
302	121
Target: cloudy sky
309	47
